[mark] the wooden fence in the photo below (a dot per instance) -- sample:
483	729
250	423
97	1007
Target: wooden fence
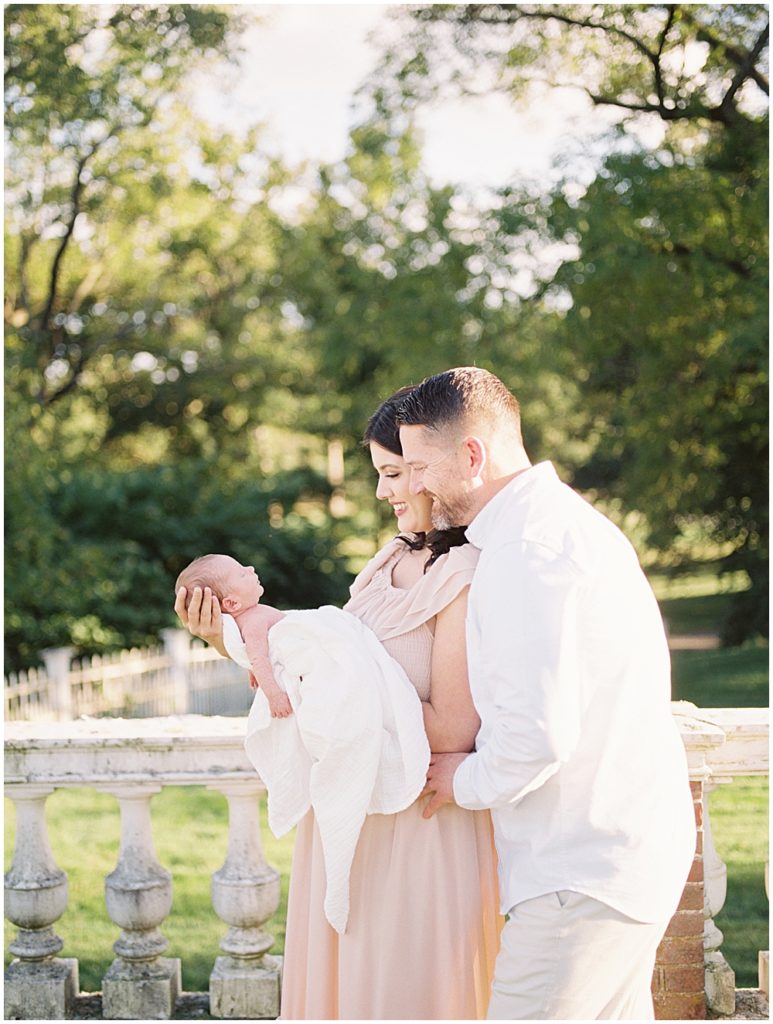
180	676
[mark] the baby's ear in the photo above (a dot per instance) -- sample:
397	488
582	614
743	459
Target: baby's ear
230	604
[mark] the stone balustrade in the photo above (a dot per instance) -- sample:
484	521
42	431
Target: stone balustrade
133	759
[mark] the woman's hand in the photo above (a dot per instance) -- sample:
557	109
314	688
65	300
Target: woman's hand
202	617
440	781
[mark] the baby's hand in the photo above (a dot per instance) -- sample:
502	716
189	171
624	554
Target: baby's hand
280	706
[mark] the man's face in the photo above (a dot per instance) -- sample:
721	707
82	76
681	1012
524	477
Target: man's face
435	469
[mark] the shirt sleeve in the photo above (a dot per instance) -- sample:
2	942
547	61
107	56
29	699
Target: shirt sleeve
527	675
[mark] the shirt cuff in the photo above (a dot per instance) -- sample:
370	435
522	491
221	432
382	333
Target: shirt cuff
464	793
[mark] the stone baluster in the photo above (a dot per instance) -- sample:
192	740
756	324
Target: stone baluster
140	984
720	977
38	985
245	983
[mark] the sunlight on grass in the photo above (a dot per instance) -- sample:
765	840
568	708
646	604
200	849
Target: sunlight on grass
702	581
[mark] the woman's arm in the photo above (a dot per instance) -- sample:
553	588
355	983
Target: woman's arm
202	618
450	718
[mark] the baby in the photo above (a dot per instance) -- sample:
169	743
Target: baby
239	590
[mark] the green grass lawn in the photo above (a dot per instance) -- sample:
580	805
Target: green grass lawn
696	602
735	677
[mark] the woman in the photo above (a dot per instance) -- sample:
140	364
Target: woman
423	930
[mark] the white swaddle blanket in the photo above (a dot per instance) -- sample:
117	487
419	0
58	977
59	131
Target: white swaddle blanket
354	745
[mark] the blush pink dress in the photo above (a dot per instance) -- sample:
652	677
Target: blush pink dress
423	930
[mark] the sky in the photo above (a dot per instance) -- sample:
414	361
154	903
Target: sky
304	63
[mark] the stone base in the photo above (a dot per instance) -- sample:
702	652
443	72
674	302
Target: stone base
244	989
141	991
720	985
764	971
45	990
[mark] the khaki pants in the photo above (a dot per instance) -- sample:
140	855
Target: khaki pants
565	956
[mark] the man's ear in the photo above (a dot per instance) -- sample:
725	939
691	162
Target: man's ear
475	456
230	604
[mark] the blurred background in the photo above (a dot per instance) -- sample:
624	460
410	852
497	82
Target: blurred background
231	231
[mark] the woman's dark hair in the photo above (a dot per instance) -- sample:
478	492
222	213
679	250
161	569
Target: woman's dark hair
383	429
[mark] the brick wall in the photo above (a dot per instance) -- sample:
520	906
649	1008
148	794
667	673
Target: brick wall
678	982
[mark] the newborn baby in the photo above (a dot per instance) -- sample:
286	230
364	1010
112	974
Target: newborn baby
239	590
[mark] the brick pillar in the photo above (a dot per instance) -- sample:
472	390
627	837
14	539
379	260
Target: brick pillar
678	982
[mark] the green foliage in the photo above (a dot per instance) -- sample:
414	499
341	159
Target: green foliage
169	334
635	57
106	579
145	341
119	266
664	289
668	323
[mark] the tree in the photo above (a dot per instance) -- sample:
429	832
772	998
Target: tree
637	58
85	92
393	279
95	566
668	327
665	295
144	335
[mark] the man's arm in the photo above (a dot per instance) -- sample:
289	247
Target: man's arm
528	677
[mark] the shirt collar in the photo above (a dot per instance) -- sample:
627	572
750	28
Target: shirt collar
484	522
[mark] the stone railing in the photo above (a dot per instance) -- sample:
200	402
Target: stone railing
134	759
721	744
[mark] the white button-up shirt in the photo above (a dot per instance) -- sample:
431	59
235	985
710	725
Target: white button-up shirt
578	755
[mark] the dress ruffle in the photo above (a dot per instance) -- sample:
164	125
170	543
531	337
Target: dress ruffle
391	612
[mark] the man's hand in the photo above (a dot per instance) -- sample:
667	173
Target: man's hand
202	617
440	780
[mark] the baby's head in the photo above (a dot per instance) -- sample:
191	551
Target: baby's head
235	586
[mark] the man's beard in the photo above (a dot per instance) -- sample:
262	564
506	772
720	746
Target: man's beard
447	513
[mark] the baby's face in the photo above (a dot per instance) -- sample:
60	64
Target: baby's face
240	583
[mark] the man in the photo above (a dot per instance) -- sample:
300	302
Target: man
578	756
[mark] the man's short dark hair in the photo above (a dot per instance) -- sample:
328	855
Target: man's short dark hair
456	397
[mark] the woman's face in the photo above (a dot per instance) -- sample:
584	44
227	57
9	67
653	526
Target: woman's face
413	511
